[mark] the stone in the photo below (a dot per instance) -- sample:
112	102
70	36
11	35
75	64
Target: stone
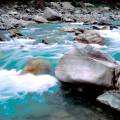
68	29
90	37
69	20
88	5
111	99
97	27
25	23
67	6
39	19
27	17
51	14
4	35
55	5
14	33
86	65
13	13
37	66
106	8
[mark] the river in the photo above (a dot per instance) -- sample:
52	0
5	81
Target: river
40	97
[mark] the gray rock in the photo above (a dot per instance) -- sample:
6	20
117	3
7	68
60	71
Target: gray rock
55	5
26	17
51	14
4	35
88	5
111	98
39	19
90	37
86	65
67	5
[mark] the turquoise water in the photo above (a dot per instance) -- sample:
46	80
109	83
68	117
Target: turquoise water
51	103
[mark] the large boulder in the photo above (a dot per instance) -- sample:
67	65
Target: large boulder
111	99
37	66
51	14
90	37
87	65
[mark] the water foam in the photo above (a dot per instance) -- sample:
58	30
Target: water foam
13	84
112	34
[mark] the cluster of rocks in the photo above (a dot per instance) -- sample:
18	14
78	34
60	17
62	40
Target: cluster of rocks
85	66
22	15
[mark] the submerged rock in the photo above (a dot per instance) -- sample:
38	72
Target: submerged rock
4	35
111	98
51	14
37	66
89	37
87	65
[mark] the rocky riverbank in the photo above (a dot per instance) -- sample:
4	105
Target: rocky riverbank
12	16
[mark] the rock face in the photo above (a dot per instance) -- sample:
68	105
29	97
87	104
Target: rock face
111	98
86	65
90	37
37	66
51	15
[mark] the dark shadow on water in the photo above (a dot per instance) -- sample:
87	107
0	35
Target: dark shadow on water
81	103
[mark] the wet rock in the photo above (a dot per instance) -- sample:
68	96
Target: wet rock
90	37
68	30
111	98
97	27
51	14
37	66
86	65
39	19
4	35
14	33
25	23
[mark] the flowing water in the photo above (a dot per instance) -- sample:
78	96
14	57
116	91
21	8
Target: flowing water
30	97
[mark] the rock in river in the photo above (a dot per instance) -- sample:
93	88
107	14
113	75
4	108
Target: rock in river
90	37
111	98
37	66
87	65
